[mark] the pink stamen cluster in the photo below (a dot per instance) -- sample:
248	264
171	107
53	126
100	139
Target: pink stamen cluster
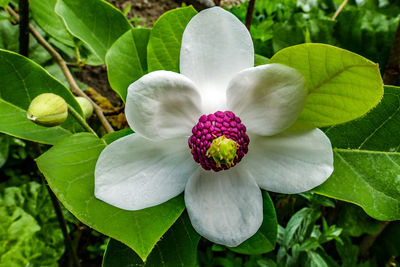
212	126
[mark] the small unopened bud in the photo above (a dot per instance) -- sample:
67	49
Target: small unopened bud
86	106
48	110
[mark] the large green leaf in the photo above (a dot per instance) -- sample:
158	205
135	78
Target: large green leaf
367	178
264	240
127	60
21	80
95	22
178	247
342	86
4	3
165	39
44	14
69	170
367	160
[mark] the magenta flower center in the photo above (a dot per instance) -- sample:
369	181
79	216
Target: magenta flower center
208	129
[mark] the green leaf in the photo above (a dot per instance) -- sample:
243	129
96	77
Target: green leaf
367	161
178	247
299	227
165	39
377	131
264	240
369	179
111	137
4	3
259	60
30	234
95	22
342	85
348	252
21	80
69	170
316	260
127	60
44	14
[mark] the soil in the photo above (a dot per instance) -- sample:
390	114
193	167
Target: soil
148	10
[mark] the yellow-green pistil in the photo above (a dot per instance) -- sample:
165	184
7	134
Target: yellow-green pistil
223	151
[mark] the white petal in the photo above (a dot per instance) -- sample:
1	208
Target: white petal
162	104
289	163
215	46
267	98
134	173
224	207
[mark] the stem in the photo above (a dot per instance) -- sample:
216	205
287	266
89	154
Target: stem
63	226
79	62
24	28
392	70
72	256
340	8
81	120
60	61
249	14
369	240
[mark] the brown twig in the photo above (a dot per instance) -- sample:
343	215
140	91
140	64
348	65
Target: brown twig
61	62
249	14
63	225
24	28
369	240
392	70
72	256
340	8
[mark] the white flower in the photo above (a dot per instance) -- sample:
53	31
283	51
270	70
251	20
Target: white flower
217	74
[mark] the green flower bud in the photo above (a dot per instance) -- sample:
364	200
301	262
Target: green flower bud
86	106
48	110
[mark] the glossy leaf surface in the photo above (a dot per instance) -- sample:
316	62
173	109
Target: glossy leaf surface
165	39
127	60
69	170
342	86
95	22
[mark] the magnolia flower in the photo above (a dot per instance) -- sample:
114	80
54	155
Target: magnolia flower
219	131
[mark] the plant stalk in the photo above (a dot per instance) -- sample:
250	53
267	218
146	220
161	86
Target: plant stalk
72	256
392	70
63	226
24	28
369	240
340	8
249	14
81	120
